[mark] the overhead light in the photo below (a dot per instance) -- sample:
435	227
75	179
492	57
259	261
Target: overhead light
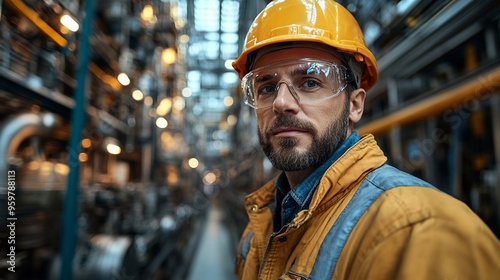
193	163
147	13
179	103
186	92
112	145
69	23
228	101
61	168
148	101
161	122
86	143
209	178
83	157
164	107
137	95
123	79
169	56
113	149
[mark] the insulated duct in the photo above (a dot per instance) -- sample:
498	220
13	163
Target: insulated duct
14	131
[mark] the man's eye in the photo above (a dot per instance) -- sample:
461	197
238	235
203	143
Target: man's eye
267	89
309	84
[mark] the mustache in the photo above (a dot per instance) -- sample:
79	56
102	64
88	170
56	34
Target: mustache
290	121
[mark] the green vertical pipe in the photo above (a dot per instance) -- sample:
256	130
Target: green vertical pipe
70	210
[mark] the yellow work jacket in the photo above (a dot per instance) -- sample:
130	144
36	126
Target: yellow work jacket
368	220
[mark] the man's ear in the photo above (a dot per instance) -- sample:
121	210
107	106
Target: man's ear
357	105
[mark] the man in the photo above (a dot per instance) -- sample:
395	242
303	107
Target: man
337	211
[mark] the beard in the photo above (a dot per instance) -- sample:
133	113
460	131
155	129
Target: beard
287	158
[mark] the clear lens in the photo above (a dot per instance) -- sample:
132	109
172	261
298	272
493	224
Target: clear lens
309	81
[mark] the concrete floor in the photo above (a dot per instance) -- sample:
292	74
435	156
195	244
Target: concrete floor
214	259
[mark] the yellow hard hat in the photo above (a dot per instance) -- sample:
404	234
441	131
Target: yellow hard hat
319	21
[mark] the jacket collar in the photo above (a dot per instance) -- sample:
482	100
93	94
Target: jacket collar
347	172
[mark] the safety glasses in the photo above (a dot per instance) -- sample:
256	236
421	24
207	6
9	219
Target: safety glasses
309	81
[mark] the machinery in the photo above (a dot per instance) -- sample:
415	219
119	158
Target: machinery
136	217
134	231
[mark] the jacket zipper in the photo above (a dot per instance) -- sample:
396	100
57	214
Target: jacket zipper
268	248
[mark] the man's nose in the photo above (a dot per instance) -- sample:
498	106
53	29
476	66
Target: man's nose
285	100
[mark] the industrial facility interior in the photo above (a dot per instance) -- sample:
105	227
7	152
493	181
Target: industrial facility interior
126	150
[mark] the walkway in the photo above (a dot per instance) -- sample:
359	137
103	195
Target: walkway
213	259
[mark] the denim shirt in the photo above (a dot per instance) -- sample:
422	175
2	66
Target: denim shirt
289	202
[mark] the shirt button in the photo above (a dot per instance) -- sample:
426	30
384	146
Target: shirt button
253	208
282	239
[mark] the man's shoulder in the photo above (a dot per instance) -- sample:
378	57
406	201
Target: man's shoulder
407	200
402	192
387	177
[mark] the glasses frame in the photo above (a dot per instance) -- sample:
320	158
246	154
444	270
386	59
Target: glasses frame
249	95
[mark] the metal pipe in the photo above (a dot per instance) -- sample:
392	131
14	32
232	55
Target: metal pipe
32	16
15	131
70	210
483	84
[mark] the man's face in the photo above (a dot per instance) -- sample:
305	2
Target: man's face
298	136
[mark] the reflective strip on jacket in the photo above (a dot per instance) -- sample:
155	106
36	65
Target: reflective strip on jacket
390	225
